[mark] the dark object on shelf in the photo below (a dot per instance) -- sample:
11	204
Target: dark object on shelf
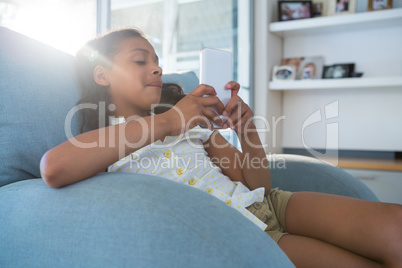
339	70
357	74
295	10
317	9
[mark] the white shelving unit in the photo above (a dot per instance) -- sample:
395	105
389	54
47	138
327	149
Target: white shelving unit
365	112
348	22
333	24
369	39
362	83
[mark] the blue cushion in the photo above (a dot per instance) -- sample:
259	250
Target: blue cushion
37	89
127	220
188	80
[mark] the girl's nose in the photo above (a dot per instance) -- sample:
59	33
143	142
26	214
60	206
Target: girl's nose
158	71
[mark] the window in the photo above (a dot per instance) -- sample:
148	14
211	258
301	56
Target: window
179	29
63	24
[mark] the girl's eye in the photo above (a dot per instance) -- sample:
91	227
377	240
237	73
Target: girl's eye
140	62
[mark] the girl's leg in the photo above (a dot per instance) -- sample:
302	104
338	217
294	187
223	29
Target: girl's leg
309	252
370	229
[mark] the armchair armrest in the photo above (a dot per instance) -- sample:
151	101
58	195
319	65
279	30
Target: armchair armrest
301	173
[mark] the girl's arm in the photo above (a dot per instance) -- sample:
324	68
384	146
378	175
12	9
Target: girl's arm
92	152
251	166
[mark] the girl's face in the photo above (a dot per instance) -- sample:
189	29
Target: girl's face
135	78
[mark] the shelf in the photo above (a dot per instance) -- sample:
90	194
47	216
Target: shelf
320	84
372	164
330	24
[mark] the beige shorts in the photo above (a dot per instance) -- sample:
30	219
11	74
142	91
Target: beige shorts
272	212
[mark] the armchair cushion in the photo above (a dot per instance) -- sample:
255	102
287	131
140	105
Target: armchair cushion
33	107
301	173
127	220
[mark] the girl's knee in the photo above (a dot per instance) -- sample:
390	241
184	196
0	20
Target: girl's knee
393	233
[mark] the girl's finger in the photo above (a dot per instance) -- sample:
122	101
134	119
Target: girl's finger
211	115
236	117
202	90
231	105
244	121
234	87
212	101
207	100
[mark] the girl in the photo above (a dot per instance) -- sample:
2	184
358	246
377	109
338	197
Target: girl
120	70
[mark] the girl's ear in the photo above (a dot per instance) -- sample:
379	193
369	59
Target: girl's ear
100	76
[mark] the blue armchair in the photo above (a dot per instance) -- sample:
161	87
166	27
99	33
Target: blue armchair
116	219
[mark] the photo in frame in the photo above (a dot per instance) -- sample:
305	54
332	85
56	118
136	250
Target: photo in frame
306	67
295	10
339	71
308	73
283	73
340	7
379	5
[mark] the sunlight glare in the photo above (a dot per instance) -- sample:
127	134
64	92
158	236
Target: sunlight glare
65	25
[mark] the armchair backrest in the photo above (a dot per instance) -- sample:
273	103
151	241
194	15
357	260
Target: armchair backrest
38	88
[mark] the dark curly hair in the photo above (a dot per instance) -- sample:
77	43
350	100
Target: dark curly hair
171	94
98	51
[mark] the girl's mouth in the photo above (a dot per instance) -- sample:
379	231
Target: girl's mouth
155	84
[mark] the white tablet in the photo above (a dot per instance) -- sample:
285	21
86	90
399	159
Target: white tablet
216	70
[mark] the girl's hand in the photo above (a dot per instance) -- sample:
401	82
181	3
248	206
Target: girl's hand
240	115
193	110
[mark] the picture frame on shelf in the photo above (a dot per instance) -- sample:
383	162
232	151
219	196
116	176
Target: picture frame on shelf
343	70
374	5
307	73
340	7
295	10
315	64
283	73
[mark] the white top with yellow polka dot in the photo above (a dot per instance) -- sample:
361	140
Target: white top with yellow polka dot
183	159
